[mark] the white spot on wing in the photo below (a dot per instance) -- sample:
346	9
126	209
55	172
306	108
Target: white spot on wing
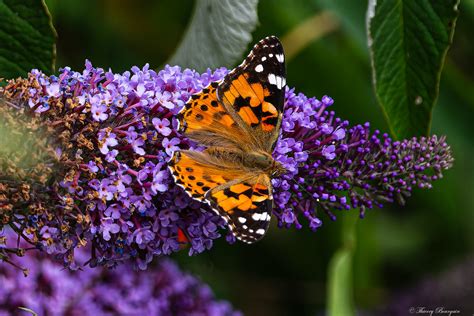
260	216
259	68
264	58
260	231
280	57
272	79
278	82
242	220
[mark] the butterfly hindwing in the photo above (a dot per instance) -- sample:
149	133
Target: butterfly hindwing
244	200
246	205
197	172
255	91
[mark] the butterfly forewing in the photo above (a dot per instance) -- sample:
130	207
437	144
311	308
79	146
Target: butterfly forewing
205	120
255	90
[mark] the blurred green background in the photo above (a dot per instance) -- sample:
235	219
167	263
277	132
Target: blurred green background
286	273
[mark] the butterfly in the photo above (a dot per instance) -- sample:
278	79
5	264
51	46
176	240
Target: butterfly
238	120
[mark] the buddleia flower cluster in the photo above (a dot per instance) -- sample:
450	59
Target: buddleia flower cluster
48	289
333	166
87	153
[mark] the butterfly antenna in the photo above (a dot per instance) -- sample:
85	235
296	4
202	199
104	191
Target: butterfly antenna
319	149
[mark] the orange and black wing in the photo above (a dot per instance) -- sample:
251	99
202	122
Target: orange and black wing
246	205
205	120
255	91
198	172
243	200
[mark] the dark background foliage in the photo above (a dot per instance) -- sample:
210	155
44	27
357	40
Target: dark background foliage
396	248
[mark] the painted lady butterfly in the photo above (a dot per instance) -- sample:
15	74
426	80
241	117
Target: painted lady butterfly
238	120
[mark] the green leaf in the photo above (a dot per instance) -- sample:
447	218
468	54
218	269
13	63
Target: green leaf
218	35
408	41
27	38
340	292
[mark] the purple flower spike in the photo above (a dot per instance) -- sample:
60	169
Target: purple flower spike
97	174
348	167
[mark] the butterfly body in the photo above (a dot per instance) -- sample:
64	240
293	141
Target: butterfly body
252	161
238	121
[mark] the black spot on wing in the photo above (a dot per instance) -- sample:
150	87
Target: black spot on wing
241	102
198	117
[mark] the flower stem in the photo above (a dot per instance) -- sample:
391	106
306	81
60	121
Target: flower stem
340	290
